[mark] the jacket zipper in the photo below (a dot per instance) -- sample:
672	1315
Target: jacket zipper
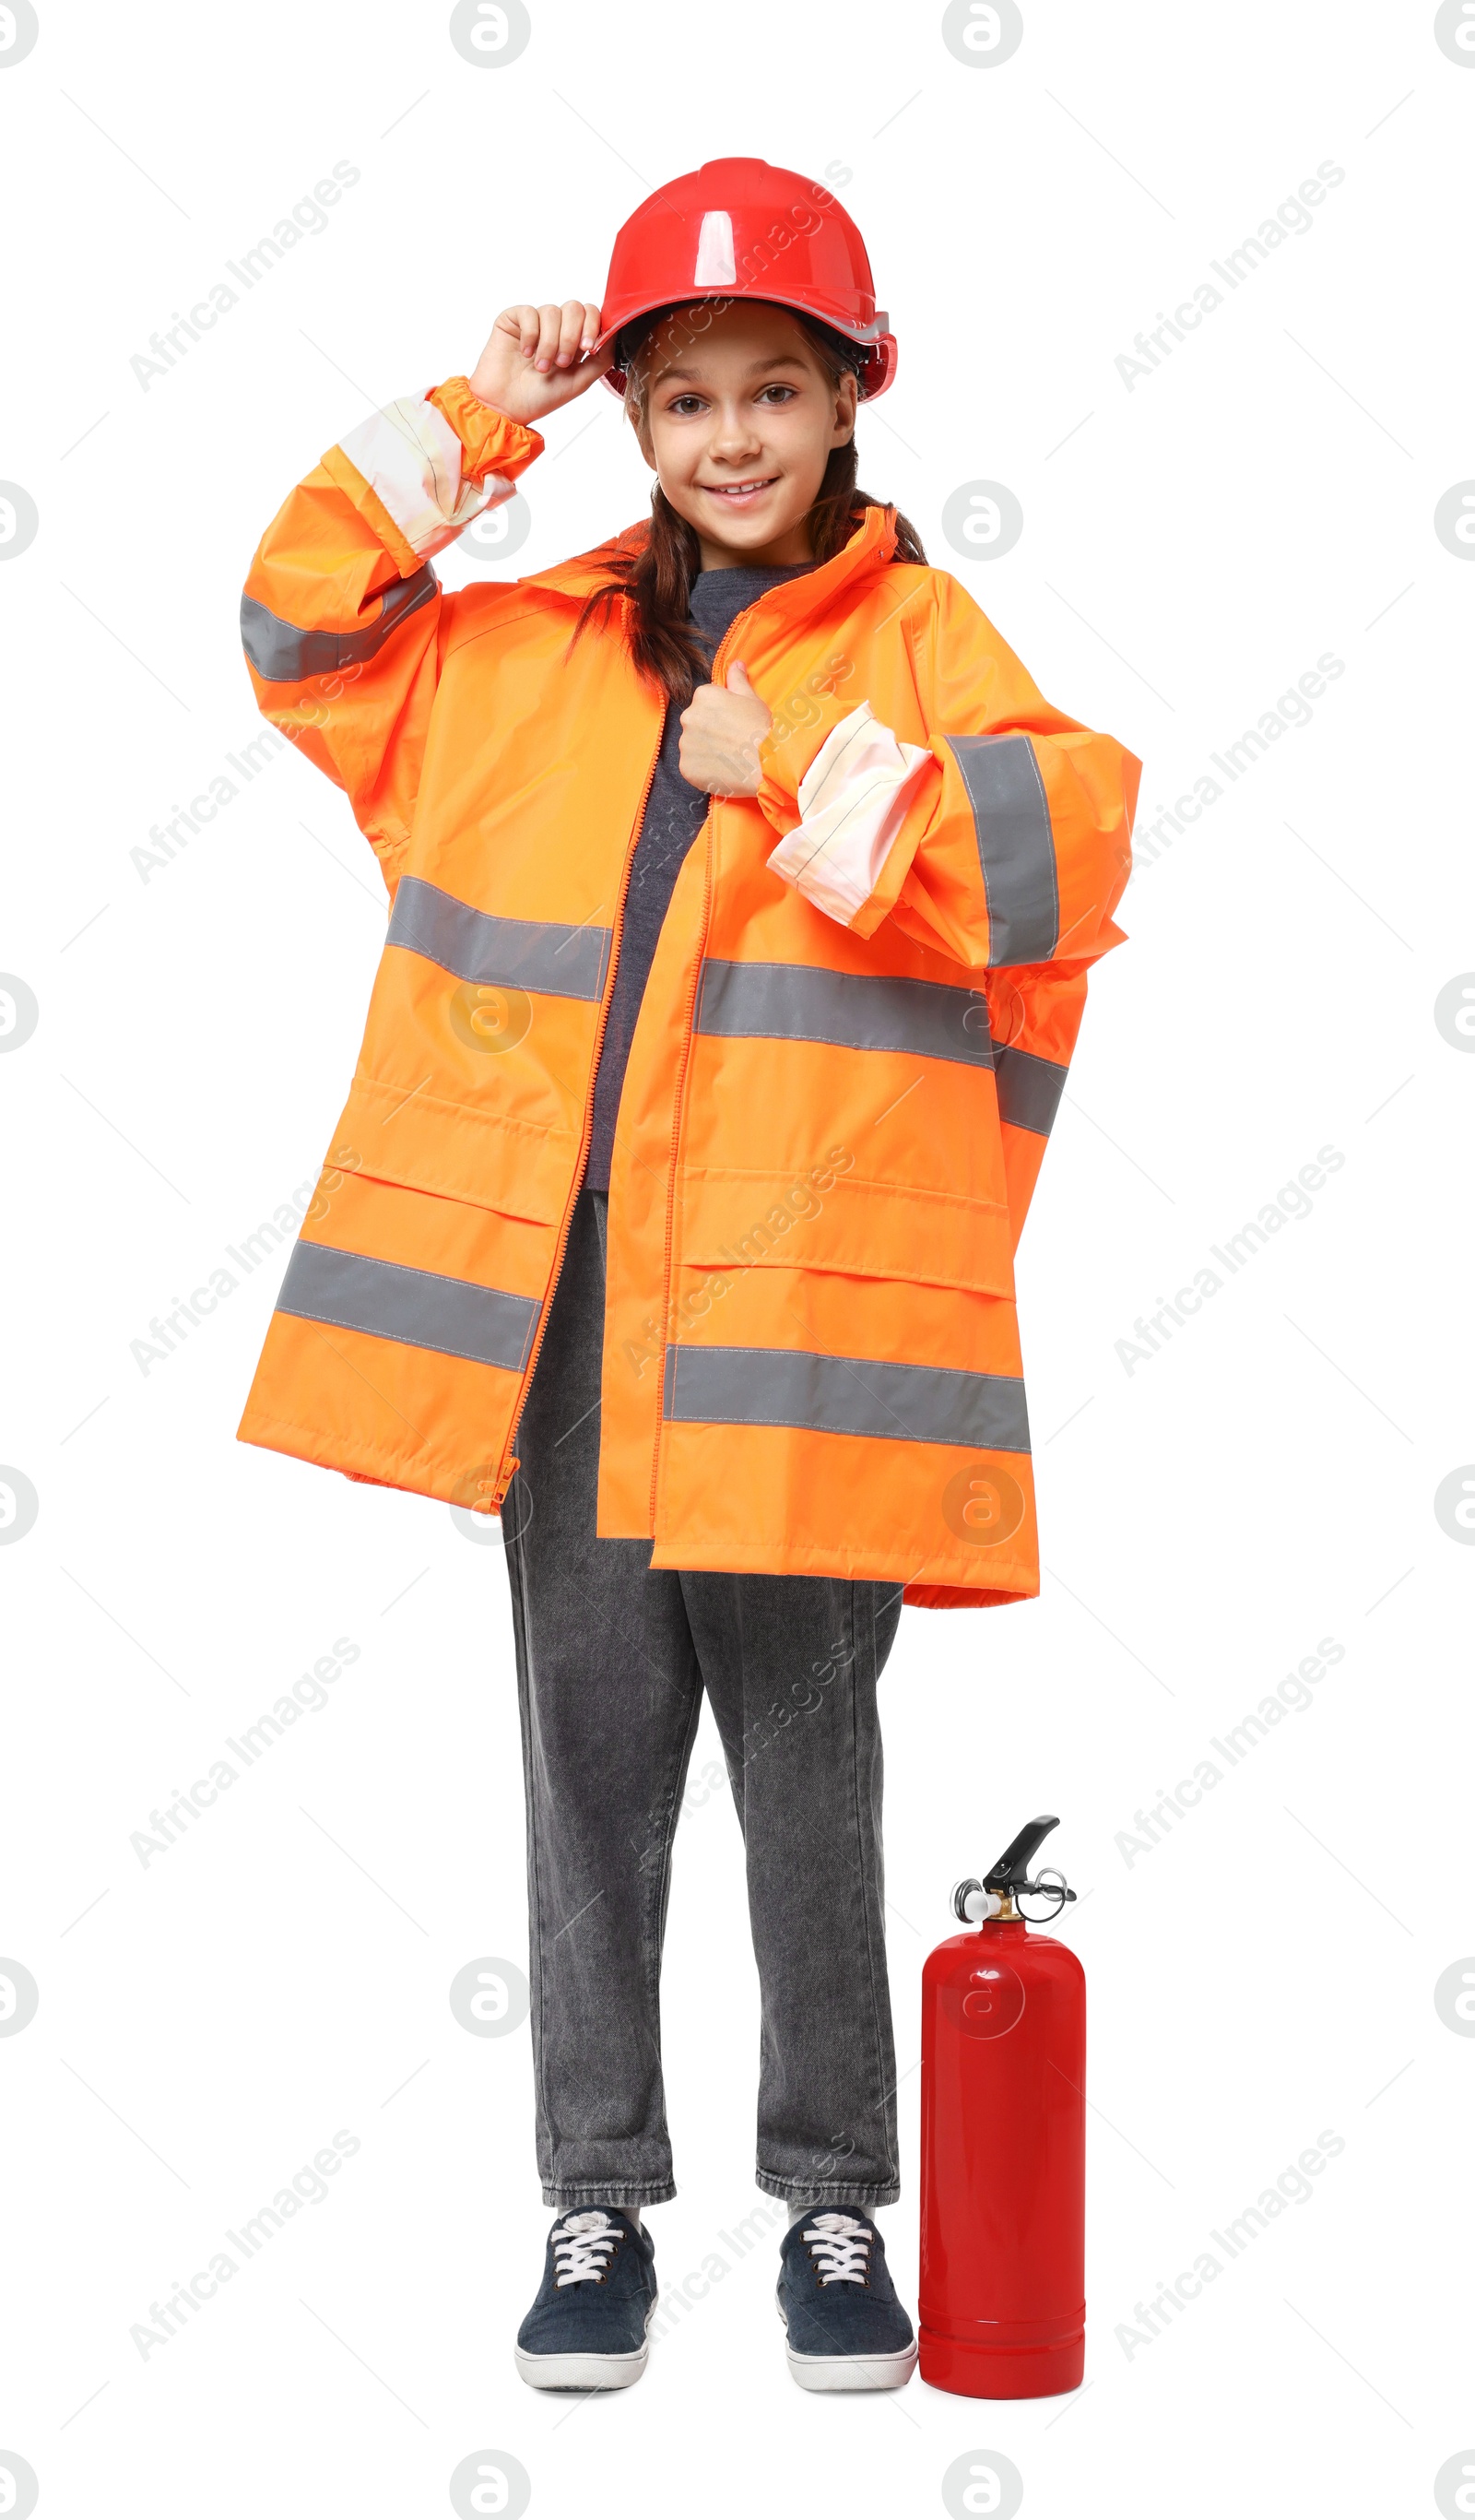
510	1464
664	1315
679	1113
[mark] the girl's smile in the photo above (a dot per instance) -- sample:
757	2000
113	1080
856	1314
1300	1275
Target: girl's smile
738	493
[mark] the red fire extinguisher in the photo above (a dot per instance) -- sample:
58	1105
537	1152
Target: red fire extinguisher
1001	2308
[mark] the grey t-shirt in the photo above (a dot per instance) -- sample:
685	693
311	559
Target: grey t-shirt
674	815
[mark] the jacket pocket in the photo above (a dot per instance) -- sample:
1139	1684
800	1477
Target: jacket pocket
419	1141
821	1219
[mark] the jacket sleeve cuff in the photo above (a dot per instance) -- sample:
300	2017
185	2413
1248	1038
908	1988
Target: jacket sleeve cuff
490	442
425	466
852	802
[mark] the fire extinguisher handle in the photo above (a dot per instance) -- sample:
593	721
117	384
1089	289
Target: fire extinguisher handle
1011	1871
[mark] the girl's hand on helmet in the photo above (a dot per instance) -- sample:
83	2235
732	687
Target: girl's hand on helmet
538	357
720	734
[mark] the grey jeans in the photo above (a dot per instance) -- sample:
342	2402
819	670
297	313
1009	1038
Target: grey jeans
612	1659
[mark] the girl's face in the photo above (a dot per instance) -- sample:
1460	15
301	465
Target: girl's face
737	420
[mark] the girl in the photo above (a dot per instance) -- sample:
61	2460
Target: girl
744	890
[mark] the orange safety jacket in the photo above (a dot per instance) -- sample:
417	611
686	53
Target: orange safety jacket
851	1047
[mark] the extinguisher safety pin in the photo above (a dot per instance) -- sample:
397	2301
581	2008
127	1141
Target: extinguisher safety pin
1051	1884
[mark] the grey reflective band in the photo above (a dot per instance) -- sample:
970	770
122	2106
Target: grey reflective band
844	1395
1017	845
282	653
415	1306
798	1001
1029	1089
500	953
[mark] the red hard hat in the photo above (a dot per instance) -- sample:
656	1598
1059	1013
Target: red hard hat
740	228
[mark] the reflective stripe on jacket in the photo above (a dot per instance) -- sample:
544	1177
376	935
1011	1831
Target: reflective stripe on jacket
850	1050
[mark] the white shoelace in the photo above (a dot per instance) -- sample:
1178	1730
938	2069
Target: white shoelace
580	2245
840	2246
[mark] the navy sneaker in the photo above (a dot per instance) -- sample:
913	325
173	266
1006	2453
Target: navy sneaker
587	2327
846	2327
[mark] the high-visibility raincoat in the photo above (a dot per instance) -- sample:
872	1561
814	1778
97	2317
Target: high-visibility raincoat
851	1047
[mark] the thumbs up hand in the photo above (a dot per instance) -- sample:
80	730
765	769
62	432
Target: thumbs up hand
720	734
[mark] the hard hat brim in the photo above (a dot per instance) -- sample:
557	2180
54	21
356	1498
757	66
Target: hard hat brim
874	338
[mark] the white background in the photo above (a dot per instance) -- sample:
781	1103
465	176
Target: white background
1190	546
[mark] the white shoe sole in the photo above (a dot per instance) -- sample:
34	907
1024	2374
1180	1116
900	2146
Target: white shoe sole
834	2372
584	2370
